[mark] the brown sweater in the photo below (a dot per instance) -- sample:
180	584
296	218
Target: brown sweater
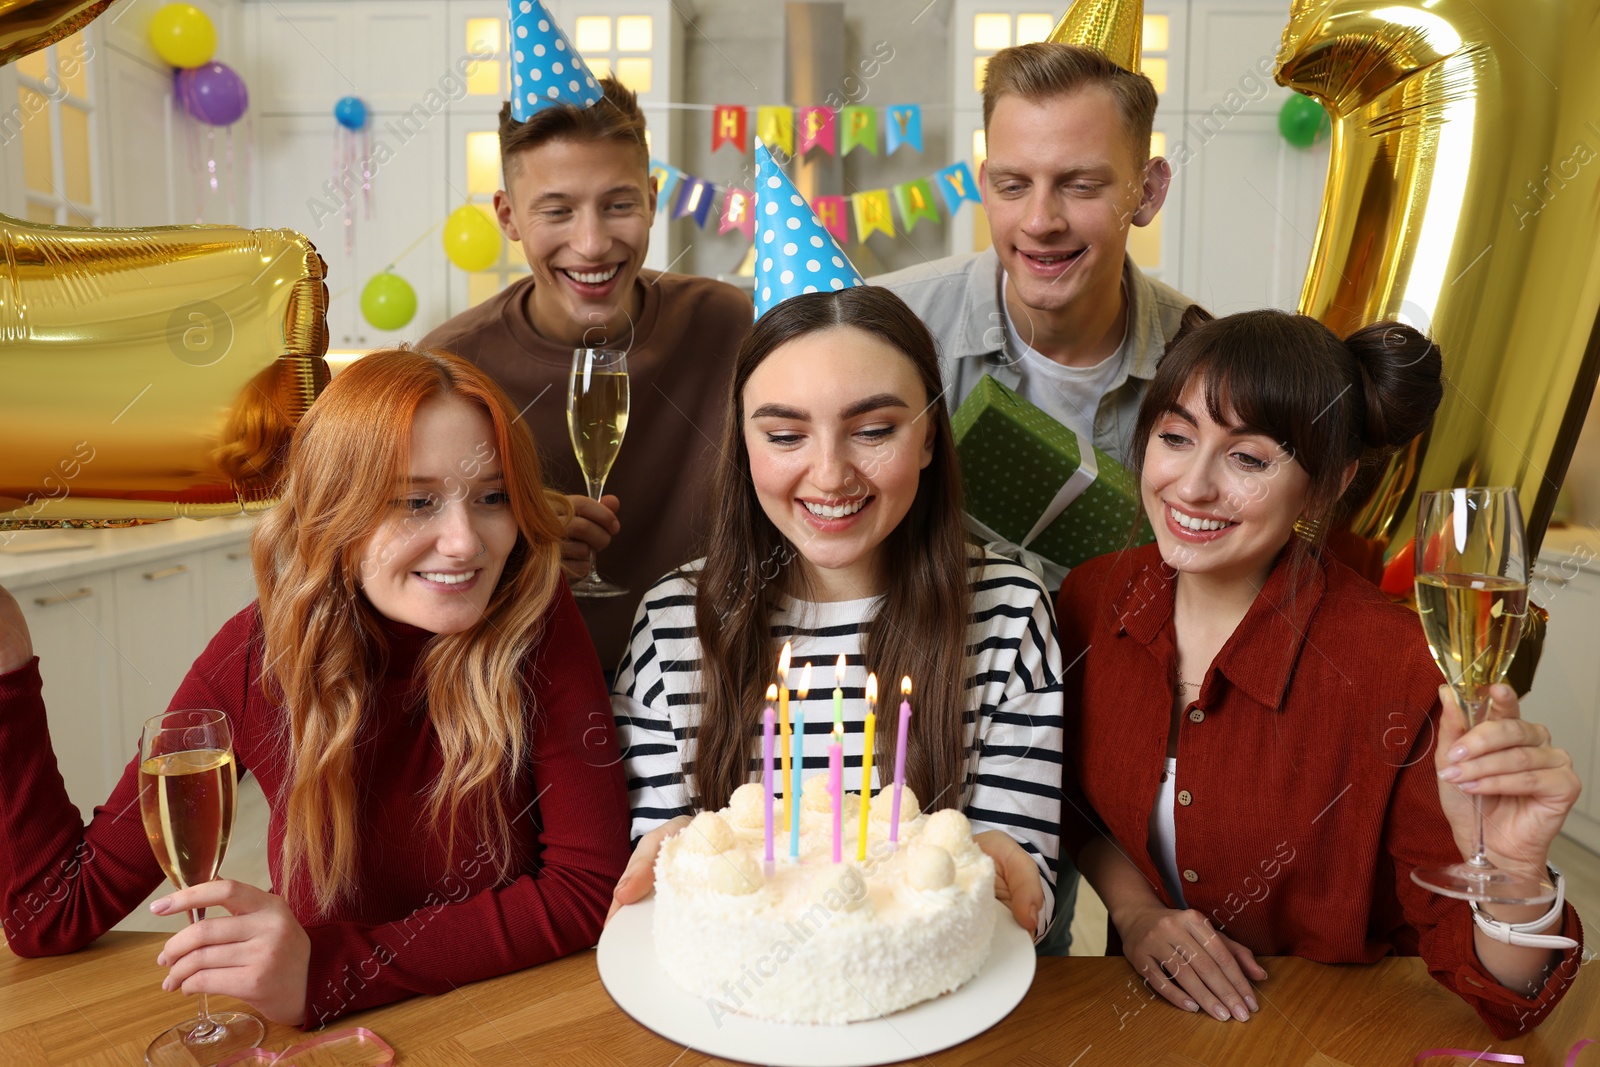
679	368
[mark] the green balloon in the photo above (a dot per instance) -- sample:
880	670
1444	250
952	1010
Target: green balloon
1303	122
388	302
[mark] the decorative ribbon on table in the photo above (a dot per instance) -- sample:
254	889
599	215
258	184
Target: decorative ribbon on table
1074	487
374	1050
1501	1057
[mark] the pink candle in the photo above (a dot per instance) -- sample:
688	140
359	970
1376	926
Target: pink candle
900	760
769	725
836	792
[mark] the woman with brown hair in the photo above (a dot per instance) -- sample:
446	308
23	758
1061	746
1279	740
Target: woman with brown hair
417	696
837	526
1260	749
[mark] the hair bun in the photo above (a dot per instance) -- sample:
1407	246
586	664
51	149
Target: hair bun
1401	372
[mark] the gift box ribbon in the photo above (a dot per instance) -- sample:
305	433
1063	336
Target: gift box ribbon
1074	487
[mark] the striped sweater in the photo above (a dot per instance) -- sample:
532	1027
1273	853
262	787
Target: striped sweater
1013	724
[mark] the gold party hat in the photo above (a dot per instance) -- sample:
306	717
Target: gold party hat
1115	27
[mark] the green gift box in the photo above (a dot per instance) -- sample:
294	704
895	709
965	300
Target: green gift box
1016	460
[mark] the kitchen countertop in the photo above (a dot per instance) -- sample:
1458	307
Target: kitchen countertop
31	556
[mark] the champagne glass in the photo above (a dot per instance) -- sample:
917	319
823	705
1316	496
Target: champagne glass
1472	594
597	417
187	784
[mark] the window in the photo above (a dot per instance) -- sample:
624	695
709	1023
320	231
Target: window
610	46
488	77
54	122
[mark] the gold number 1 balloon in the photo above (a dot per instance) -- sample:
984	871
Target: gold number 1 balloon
1463	196
152	373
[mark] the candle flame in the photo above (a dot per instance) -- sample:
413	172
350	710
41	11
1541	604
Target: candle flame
805	680
905	685
783	663
772	693
838	670
872	691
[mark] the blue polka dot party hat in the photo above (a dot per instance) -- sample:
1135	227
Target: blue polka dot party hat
794	253
545	70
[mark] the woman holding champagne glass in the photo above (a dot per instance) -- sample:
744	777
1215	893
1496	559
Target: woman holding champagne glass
1260	757
419	699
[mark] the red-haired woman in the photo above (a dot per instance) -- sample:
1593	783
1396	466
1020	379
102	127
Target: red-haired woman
418	697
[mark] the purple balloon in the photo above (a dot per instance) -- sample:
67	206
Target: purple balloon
212	93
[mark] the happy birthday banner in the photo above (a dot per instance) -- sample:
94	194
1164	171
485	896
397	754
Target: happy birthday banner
689	196
833	130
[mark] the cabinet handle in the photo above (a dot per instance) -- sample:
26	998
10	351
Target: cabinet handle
236	556
76	594
156	576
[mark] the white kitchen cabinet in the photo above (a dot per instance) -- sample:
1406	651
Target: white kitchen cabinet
229	584
159	631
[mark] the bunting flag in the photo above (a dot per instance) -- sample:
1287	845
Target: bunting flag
915	199
860	128
816	129
956	183
902	125
666	178
872	214
738	212
730	124
775	126
694	198
830	211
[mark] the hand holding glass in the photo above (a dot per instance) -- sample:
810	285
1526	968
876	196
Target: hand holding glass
597	419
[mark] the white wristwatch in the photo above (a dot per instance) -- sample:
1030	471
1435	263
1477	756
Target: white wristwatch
1525	934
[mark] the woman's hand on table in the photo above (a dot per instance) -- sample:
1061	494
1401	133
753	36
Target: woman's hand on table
16	647
639	877
590	530
1016	877
1527	785
258	953
1183	958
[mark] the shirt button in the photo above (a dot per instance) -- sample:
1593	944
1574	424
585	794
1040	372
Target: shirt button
1185	797
1196	715
1190	876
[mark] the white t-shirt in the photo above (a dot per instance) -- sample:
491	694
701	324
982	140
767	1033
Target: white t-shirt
1164	835
1070	395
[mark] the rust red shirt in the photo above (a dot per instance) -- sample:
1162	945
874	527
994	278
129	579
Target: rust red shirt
1307	790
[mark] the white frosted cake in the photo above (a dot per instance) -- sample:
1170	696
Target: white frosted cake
816	941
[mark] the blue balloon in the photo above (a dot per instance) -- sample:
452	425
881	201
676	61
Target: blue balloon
351	112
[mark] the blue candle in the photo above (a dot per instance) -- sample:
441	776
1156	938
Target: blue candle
794	781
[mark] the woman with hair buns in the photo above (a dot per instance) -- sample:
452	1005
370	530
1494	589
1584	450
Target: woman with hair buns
1262	751
417	695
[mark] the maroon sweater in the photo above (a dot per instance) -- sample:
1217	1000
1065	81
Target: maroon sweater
422	921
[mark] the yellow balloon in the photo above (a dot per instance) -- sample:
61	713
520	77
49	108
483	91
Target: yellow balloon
152	373
183	36
29	25
1463	196
470	240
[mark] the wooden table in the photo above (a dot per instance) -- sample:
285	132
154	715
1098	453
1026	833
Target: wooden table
101	1006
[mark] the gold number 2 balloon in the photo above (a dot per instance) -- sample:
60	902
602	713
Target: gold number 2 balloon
152	373
1463	196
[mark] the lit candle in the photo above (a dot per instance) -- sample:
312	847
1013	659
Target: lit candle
836	790
768	726
900	760
838	695
783	712
799	764
868	729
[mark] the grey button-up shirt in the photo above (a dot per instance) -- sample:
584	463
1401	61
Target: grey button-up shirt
958	298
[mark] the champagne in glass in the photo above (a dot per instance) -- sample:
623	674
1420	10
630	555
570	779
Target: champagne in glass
187	787
1472	595
597	419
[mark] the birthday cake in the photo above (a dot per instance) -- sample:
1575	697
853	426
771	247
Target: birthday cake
814	941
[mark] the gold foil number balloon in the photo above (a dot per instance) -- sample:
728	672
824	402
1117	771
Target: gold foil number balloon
152	373
1463	196
29	25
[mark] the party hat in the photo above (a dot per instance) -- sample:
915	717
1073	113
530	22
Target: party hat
794	252
1114	27
545	71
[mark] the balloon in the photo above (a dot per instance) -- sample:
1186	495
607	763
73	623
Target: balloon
388	302
1303	122
152	373
29	25
1463	196
214	94
470	240
351	112
183	36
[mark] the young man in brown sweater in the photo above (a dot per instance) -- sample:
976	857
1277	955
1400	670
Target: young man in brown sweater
579	196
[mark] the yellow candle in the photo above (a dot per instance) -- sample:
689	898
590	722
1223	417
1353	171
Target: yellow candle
870	730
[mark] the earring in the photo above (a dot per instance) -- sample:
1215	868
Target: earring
1308	529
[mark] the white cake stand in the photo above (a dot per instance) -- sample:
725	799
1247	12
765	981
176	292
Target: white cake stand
633	977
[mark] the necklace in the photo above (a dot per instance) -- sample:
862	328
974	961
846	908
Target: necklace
1187	685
